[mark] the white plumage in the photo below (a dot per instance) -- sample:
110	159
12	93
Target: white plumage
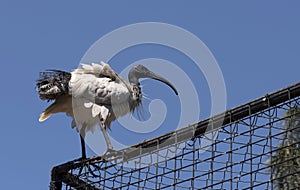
93	94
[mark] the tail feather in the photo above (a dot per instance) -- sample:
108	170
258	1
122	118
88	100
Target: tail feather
44	116
48	112
62	104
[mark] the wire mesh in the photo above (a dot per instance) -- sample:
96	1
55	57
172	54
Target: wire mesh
240	154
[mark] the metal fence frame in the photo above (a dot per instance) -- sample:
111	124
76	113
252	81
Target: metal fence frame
69	175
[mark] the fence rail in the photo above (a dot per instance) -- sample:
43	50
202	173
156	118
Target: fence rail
232	150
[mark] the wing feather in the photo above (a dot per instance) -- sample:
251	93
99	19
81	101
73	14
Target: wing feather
99	90
96	110
94	96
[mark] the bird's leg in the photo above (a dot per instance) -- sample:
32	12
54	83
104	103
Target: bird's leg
82	141
107	140
83	151
106	137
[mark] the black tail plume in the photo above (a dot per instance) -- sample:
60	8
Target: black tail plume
52	84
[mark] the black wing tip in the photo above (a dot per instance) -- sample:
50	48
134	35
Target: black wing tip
52	84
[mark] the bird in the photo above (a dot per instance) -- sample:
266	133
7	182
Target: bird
93	95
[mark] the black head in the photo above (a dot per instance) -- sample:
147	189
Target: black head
140	71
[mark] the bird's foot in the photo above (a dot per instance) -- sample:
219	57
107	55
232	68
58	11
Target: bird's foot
110	153
82	159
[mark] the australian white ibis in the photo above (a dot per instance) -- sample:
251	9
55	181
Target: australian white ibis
93	94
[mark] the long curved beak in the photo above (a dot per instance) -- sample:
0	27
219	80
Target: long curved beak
152	75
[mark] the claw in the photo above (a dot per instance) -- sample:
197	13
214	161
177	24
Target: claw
109	151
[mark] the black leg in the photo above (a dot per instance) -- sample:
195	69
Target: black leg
83	151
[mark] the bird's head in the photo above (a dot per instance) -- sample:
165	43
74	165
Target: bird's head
140	71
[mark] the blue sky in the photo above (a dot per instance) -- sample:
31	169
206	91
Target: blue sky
256	45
